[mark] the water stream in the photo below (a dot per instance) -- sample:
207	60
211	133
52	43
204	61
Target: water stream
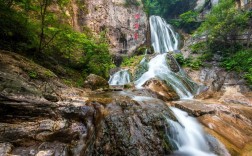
159	68
187	134
163	37
121	77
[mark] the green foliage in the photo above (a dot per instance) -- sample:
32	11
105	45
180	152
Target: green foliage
220	28
81	52
158	7
223	21
17	32
33	74
189	17
240	62
131	2
24	27
199	47
132	61
194	63
180	58
187	21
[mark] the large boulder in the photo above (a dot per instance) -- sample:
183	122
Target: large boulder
133	128
173	64
95	82
160	87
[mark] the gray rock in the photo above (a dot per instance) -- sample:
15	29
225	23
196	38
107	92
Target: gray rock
95	82
5	149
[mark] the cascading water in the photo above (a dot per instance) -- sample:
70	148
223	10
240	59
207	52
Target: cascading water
121	77
163	37
158	67
187	135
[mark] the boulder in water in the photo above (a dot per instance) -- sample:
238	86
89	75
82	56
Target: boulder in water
95	82
164	91
172	63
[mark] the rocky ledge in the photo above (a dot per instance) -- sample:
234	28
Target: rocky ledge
40	116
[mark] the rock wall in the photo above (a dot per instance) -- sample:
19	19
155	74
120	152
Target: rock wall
125	24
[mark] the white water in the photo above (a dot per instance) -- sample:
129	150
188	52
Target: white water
121	77
188	135
163	37
158	67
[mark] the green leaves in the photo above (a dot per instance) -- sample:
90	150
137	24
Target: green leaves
158	7
240	62
189	16
223	21
82	52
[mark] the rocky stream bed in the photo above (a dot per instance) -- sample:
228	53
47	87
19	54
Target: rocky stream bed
44	117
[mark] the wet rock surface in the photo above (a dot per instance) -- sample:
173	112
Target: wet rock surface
172	63
132	128
123	127
74	121
231	121
164	91
95	82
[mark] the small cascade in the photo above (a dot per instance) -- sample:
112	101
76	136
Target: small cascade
121	77
187	136
158	67
163	65
163	37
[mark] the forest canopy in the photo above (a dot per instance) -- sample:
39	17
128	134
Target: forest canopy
34	29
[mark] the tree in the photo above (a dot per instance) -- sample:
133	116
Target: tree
223	24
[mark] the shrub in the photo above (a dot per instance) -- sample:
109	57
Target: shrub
241	61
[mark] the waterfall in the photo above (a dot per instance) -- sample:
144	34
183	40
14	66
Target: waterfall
187	135
121	77
163	37
163	66
158	67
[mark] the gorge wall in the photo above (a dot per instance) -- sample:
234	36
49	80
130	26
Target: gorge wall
123	22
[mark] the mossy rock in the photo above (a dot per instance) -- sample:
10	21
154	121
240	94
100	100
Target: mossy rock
95	82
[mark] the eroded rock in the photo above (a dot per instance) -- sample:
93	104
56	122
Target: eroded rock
95	82
5	148
164	91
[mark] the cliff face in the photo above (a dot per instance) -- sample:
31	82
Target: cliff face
125	24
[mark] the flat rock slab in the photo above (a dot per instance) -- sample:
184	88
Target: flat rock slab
193	107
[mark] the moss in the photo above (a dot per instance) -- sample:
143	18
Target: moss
132	61
33	74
